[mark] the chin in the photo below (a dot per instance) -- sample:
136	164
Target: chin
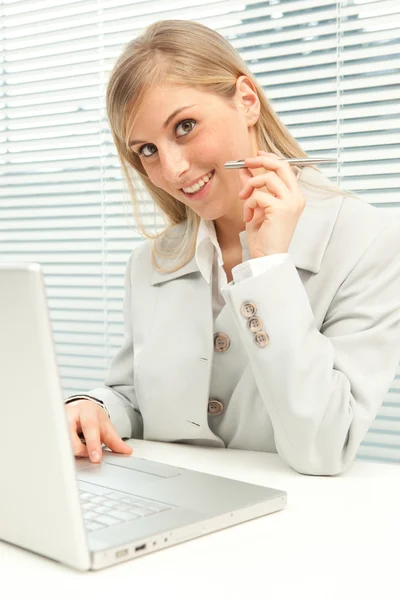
211	212
209	215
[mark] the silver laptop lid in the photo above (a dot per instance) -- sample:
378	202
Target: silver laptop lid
39	503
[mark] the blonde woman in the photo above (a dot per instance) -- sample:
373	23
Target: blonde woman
266	315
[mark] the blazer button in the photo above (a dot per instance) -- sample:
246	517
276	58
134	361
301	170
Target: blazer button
261	339
248	309
255	324
221	342
215	407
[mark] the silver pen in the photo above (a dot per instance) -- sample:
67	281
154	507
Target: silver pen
239	164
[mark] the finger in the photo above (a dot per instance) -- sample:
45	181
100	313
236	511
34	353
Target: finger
270	162
91	430
78	448
258	200
245	175
270	181
287	174
112	440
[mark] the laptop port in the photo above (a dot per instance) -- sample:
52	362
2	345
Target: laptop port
141	547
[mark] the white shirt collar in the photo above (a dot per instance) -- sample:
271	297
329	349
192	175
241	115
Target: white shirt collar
207	245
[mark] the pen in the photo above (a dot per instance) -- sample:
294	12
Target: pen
239	164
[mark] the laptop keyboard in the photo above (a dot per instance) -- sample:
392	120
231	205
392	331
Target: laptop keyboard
113	508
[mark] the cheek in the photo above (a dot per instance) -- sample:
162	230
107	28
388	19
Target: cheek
207	145
232	145
155	176
158	180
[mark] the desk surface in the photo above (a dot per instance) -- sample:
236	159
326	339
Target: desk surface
338	537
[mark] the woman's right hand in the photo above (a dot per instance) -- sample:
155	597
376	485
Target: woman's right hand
90	419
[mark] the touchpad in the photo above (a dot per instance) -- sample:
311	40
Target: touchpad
111	476
140	464
131	463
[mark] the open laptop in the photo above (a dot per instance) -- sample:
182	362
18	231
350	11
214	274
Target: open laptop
81	514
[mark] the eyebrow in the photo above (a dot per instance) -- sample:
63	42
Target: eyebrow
167	122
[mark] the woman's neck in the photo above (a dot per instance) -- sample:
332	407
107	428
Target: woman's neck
227	229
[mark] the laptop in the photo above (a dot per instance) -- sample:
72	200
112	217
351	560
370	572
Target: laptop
84	515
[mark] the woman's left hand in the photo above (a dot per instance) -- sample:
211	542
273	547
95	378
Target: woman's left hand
273	204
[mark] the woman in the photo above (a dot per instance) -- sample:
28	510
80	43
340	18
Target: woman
266	315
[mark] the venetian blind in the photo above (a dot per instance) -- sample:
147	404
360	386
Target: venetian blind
331	70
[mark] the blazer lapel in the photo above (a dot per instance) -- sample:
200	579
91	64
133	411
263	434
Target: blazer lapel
317	221
190	267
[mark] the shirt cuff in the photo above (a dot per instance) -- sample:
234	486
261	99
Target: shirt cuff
84	397
257	266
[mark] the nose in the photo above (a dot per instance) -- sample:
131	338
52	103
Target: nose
174	164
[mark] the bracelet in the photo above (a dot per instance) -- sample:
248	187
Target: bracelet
85	397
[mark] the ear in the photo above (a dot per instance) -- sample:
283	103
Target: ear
247	98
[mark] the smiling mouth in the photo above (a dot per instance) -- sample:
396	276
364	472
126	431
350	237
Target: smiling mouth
199	184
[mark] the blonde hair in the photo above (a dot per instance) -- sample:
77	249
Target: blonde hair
173	52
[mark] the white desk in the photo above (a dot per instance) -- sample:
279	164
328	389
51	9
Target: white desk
338	538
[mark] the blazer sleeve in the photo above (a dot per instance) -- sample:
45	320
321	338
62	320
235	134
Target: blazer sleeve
118	391
322	389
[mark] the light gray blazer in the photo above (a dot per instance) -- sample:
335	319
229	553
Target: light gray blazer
332	314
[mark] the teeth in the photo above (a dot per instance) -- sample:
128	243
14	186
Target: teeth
199	184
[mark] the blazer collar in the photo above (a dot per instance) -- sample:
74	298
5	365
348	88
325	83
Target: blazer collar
311	236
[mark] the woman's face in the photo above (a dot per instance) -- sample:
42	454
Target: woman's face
184	136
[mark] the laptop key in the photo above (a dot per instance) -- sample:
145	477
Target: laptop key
152	505
124	516
123	506
142	512
102	510
107	520
160	507
97	500
93	526
115	496
110	503
86	495
145	507
89	514
88	505
128	502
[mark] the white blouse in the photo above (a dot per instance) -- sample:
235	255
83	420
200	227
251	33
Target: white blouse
210	262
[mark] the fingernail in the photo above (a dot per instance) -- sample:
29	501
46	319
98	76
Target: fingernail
95	456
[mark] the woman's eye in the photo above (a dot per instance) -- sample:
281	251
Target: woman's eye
147	150
185	126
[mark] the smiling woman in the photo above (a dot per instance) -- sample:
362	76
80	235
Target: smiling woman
185	159
266	315
188	103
